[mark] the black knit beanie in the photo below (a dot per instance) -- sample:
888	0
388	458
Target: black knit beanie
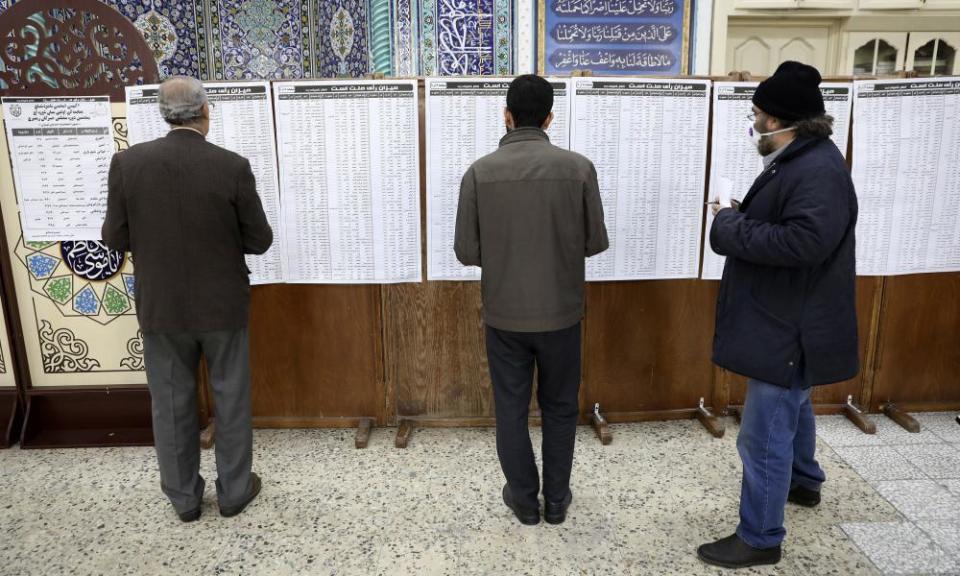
792	93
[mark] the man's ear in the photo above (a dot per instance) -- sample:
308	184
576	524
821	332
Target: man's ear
547	122
773	123
508	118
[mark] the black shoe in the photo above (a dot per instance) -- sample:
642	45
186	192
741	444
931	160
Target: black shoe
254	491
190	515
556	512
732	552
528	517
804	497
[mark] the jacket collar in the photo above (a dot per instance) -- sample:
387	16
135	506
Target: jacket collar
186	133
796	148
524	135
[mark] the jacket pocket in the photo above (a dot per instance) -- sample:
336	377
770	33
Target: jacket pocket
774	318
758	343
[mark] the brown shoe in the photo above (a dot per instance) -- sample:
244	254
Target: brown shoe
254	491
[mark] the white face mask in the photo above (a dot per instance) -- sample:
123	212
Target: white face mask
755	136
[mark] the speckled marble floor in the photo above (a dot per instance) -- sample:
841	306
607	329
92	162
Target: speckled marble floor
641	506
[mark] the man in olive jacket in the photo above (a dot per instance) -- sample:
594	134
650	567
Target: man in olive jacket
529	214
786	313
188	211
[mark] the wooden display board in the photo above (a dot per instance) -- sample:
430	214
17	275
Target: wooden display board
356	355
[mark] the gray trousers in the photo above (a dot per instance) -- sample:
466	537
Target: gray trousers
172	361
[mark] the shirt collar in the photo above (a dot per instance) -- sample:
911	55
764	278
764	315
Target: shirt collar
769	158
187	128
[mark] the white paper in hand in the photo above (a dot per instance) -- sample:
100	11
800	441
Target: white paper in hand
725	192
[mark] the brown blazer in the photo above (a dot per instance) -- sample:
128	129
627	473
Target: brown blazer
188	211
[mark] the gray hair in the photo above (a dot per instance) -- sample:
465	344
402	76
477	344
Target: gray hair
817	127
181	99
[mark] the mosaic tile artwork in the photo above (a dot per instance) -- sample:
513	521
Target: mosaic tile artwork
381	37
174	31
59	289
524	50
342	48
159	33
128	283
466	37
86	302
289	39
503	22
82	278
405	32
256	39
114	301
41	265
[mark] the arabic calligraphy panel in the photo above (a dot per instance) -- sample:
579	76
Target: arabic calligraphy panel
615	36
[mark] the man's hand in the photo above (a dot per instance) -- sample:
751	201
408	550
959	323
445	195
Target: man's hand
716	206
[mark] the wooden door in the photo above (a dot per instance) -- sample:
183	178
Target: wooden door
760	46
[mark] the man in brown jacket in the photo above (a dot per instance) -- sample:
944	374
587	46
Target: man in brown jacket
529	214
188	211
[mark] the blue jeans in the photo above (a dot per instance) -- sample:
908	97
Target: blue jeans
777	443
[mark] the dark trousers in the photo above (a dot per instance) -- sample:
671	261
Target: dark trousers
512	357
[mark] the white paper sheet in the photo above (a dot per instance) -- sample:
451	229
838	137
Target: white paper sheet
241	120
61	149
906	169
648	141
349	172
